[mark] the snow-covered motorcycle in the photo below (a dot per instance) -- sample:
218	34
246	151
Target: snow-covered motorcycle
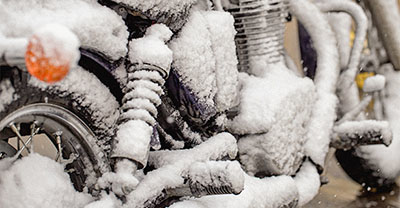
157	109
374	167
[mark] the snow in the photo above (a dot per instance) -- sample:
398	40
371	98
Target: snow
106	201
205	59
151	49
385	15
157	7
121	75
380	156
37	181
58	43
273	115
122	180
6	93
13	50
171	12
96	27
172	165
193	60
341	25
220	25
276	107
351	129
268	192
217	174
324	112
307	182
86	89
132	141
347	89
374	84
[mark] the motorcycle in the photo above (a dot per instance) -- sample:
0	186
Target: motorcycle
371	166
172	99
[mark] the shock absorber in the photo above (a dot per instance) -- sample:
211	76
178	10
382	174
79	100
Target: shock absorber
142	93
137	121
260	26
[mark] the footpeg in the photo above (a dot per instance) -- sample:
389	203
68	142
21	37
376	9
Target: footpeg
355	133
211	178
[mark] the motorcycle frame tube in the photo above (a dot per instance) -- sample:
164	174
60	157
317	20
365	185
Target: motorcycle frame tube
12	52
388	26
326	78
347	90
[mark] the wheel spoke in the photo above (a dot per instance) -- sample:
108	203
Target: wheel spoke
58	135
34	131
20	140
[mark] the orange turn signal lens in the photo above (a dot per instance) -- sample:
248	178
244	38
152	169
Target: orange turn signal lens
45	64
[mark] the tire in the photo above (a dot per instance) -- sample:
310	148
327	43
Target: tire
80	107
363	172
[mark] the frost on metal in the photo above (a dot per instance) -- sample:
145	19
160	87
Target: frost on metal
273	115
97	27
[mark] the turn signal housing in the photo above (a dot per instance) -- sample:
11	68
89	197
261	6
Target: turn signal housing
51	52
43	67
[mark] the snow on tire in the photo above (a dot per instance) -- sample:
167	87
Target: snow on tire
80	107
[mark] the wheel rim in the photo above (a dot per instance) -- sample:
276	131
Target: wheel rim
68	134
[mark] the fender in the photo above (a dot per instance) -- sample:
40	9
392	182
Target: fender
102	68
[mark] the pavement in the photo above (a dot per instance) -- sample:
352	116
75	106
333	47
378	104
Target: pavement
342	192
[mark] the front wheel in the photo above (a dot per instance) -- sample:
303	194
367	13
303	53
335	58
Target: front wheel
71	121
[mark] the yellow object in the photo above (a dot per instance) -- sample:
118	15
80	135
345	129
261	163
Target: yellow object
361	77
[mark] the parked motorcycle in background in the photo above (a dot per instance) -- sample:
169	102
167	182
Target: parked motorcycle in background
374	167
179	103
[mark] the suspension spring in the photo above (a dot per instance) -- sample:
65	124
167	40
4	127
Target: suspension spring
142	93
260	26
199	190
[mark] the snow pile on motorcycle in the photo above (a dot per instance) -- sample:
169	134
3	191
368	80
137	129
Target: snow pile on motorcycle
276	94
95	26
